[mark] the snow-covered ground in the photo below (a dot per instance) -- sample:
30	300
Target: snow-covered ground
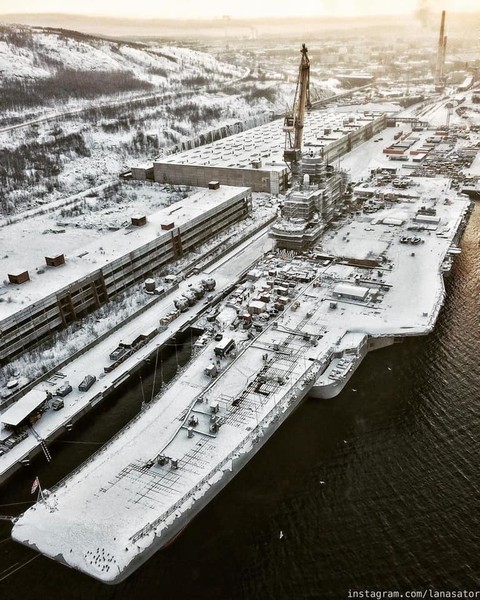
191	93
113	148
114	132
37	53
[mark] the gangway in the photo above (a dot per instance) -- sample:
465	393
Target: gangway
43	445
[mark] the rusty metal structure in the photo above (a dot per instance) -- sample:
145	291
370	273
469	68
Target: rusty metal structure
295	118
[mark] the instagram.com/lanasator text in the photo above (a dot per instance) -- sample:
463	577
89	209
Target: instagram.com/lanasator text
428	593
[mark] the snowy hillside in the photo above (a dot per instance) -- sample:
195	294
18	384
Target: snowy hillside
52	67
30	53
78	109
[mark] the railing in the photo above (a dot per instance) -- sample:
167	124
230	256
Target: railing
120	433
439	300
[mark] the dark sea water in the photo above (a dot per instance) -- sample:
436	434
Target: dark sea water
377	489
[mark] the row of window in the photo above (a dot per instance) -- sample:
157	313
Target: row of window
83	298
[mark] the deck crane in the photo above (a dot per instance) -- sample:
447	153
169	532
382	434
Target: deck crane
294	118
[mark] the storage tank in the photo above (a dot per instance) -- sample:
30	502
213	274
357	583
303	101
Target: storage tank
149	285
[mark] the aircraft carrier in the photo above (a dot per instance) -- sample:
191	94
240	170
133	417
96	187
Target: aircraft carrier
294	326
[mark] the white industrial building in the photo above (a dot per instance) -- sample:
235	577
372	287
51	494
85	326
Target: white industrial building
254	158
351	292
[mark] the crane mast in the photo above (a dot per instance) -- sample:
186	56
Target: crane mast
295	118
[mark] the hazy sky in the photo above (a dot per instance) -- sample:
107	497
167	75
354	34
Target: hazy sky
239	8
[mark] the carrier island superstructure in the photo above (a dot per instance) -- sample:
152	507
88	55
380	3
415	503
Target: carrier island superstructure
294	326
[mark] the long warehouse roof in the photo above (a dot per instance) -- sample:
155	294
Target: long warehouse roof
266	142
109	247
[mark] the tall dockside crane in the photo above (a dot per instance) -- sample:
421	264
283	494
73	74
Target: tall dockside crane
294	118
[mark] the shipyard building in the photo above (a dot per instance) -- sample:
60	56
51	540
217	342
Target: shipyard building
73	286
67	288
254	158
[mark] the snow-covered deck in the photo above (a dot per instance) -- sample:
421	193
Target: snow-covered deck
108	512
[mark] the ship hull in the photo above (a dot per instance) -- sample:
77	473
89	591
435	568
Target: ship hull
333	389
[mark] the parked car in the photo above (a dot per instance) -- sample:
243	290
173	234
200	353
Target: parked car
57	404
118	352
87	383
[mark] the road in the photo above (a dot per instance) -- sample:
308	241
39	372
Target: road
162	96
51	206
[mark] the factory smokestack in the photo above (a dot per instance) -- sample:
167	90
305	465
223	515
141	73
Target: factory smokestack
443	58
442	30
442	45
